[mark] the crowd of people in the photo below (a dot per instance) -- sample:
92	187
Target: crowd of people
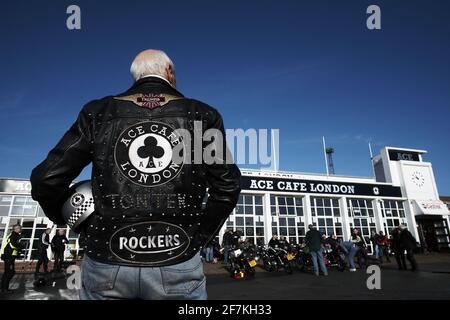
58	246
13	245
401	244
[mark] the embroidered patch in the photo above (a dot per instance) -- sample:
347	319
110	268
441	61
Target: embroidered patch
149	153
149	242
149	100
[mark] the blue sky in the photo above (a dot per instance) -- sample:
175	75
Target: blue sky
309	68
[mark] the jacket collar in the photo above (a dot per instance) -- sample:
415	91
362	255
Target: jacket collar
155	82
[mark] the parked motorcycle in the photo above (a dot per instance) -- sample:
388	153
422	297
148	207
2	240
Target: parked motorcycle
283	258
268	261
334	257
242	262
302	261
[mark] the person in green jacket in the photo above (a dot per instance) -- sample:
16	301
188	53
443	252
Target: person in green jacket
10	250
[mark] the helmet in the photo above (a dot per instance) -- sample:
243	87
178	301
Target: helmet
79	205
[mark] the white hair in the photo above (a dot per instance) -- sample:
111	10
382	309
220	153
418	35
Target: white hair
155	64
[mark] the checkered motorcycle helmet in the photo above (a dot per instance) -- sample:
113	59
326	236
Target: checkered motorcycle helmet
79	205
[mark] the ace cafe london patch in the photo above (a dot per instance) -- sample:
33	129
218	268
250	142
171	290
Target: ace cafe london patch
144	153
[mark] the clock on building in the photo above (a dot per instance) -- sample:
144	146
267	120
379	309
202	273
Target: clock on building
418	178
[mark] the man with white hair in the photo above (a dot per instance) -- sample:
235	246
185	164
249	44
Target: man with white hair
149	226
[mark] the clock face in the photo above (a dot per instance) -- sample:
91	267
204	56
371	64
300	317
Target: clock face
418	178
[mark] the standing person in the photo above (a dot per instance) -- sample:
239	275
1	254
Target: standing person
383	244
399	253
378	252
313	240
209	252
350	250
274	242
283	243
10	250
143	147
408	244
216	250
59	242
236	238
332	242
226	244
359	241
42	251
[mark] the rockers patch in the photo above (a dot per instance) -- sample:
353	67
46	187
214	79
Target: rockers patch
144	153
149	242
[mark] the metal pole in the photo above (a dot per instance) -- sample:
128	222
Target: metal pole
371	159
325	154
370	151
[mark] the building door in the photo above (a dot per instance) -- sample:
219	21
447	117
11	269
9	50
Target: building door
433	232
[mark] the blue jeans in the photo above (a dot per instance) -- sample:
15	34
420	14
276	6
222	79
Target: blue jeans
209	254
318	255
350	251
378	251
102	281
226	253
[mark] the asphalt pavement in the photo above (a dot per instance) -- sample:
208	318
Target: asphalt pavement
432	281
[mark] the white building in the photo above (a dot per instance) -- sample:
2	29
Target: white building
284	203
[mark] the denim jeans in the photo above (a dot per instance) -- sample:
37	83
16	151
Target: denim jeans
378	251
102	281
350	251
226	253
209	254
318	255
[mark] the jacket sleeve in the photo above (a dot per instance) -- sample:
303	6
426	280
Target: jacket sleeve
15	241
51	179
223	177
307	238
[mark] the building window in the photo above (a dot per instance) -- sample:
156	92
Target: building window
393	213
326	214
5	204
288	217
248	218
23	206
249	204
361	216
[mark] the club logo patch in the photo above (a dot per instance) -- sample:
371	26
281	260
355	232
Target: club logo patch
149	100
149	242
145	153
77	199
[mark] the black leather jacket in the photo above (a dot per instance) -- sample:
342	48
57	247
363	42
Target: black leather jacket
149	209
